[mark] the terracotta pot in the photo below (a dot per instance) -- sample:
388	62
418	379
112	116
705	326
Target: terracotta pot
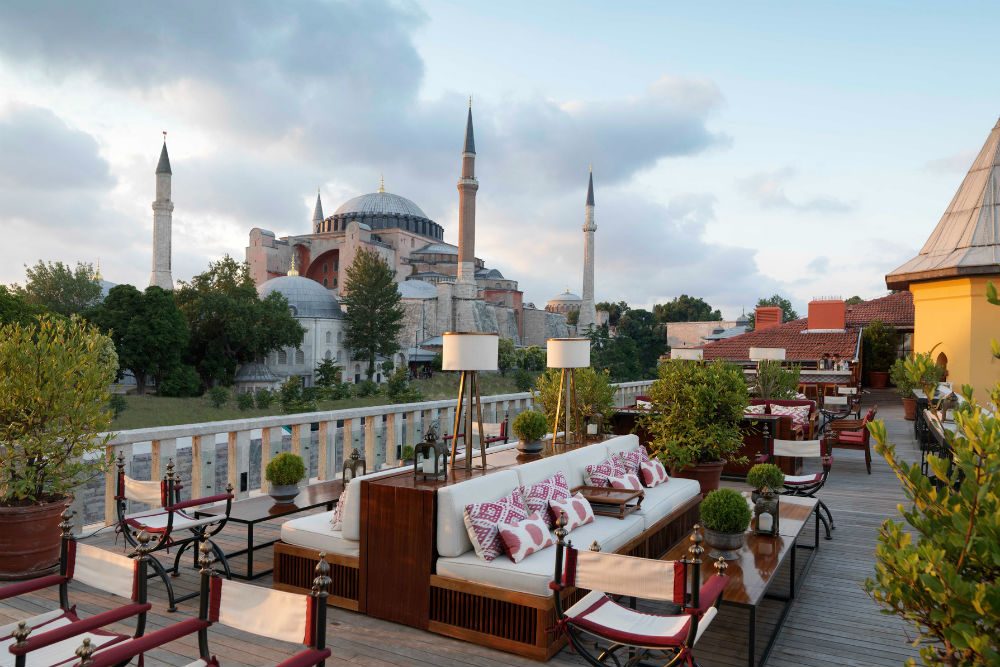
706	474
30	540
910	408
878	379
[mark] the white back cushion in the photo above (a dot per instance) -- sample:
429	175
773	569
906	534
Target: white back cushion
104	570
452	538
351	516
622	444
536	471
578	460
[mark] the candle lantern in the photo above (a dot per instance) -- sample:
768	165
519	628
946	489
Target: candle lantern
765	512
430	459
351	466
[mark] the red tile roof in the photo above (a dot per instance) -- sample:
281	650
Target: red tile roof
895	309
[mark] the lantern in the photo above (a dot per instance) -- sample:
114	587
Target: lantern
765	520
430	459
351	465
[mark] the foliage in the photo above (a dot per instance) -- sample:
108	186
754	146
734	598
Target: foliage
407	453
523	380
634	351
766	476
918	372
56	287
229	324
182	380
595	397
54	379
531	358
244	400
14	307
614	311
327	374
880	344
263	398
398	388
774	381
506	356
725	511
366	388
437	361
853	301
285	469
787	312
387	368
685	308
573	317
696	412
292	398
374	314
117	404
218	396
529	426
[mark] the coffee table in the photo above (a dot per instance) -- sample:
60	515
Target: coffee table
606	501
760	559
259	509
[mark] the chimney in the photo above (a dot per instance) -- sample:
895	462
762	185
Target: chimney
827	314
767	317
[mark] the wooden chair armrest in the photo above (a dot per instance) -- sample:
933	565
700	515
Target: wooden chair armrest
847	425
30	586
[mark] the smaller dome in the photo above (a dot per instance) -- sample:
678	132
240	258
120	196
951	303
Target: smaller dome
565	297
417	289
306	297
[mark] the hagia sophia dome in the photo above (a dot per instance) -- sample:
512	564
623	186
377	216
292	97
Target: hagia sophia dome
564	303
381	210
306	297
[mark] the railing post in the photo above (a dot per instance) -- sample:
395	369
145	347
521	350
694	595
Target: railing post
390	439
270	446
160	452
326	453
347	441
370	453
110	481
239	461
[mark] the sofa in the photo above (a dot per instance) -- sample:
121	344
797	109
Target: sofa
807	433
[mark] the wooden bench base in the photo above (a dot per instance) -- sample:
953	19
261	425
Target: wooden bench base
295	569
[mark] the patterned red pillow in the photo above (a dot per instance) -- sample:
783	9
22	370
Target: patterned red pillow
337	519
578	511
798	413
525	537
613	466
653	473
634	459
626	481
481	521
754	409
537	496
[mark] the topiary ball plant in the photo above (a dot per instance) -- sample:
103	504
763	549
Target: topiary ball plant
284	472
529	427
766	476
725	511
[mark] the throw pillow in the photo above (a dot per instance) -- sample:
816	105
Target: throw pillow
653	473
798	413
481	521
634	459
626	481
754	409
578	511
598	473
537	496
337	520
525	537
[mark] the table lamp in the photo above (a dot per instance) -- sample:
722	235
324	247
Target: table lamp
567	354
469	353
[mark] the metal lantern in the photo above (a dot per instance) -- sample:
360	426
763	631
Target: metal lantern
351	465
430	459
765	514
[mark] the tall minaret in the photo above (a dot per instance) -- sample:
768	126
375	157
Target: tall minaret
163	210
588	313
318	215
467	187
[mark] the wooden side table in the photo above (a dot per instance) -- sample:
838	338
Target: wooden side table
611	502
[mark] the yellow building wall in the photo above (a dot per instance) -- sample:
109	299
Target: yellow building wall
954	315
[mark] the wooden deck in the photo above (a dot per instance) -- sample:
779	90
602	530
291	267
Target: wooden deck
832	622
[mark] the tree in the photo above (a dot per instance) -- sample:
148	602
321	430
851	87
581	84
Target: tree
327	374
854	300
573	317
614	311
685	308
15	309
229	324
649	337
618	355
507	357
787	312
149	331
55	286
374	314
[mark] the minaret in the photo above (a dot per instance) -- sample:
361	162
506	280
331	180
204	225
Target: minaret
467	187
163	210
318	215
588	313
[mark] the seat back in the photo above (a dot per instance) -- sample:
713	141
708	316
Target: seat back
617	574
262	611
151	493
807	449
835	401
103	570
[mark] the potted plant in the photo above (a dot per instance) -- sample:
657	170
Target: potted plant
55	377
694	418
595	396
775	381
284	472
725	515
910	374
765	476
529	427
880	343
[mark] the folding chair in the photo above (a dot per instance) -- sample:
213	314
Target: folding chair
804	485
622	633
853	434
853	400
168	521
59	631
288	617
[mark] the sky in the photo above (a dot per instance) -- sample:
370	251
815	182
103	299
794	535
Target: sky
738	149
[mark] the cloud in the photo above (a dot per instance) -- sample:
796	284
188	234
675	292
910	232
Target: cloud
768	190
959	163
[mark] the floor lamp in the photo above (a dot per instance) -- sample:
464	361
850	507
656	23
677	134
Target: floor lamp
469	353
567	354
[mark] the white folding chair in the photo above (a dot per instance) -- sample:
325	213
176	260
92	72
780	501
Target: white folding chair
804	485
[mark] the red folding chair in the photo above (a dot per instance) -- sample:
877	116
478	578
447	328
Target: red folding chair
616	634
50	638
289	617
853	434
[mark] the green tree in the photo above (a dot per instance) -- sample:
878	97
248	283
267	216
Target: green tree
880	344
398	387
149	331
614	311
229	324
507	357
15	309
618	355
685	308
573	317
649	337
56	287
787	312
854	300
327	374
531	358
374	314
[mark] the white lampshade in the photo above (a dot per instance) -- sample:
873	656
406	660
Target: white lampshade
470	351
568	352
688	353
767	354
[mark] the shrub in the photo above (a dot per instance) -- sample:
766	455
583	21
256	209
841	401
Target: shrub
293	398
218	396
244	401
776	382
595	397
725	511
310	394
285	469
398	387
366	388
766	476
522	380
529	426
180	382
117	404
264	398
407	453
880	343
918	372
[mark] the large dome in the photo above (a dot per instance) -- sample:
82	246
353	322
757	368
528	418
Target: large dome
306	297
378	203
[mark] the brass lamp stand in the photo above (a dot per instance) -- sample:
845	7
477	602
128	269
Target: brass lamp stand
469	353
567	393
468	394
567	354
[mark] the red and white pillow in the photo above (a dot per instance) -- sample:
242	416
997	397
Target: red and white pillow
481	520
653	473
337	520
634	459
798	413
754	409
613	466
537	496
578	511
626	481
525	537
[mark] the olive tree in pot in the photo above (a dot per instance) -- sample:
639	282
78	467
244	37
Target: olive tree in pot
694	419
595	396
284	472
55	376
725	515
910	374
529	427
880	343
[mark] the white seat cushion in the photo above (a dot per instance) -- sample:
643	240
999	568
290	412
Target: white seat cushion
452	537
599	615
62	652
533	574
158	522
315	532
663	499
36	623
536	471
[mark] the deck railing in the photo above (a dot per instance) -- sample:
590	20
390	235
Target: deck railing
321	438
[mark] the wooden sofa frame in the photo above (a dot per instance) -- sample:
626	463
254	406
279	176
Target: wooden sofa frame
295	567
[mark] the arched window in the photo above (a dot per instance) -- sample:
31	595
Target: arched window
340	355
300	357
324	283
282	357
329	334
340	336
328	356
